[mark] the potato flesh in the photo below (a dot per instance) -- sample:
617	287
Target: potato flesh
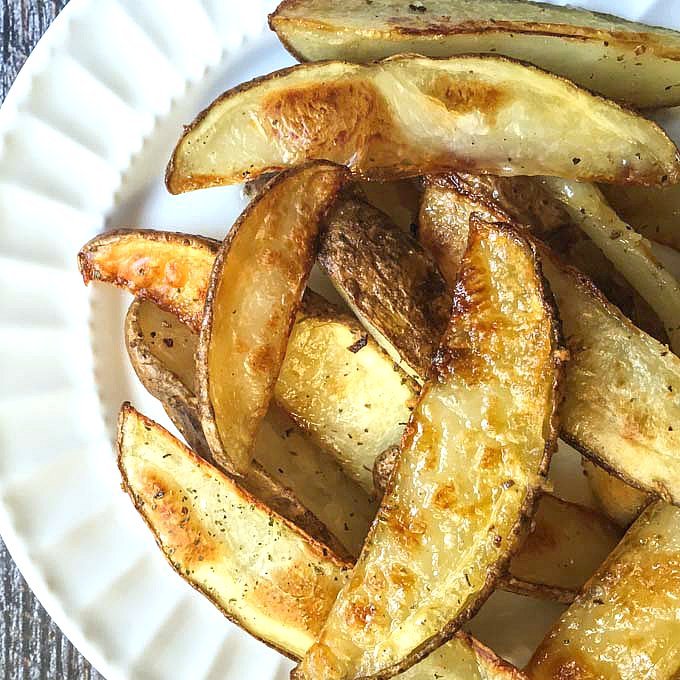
624	625
256	287
629	252
653	212
621	502
476	448
411	115
569	542
620	59
343	390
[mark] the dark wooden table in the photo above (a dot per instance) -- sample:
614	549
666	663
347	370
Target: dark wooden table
31	645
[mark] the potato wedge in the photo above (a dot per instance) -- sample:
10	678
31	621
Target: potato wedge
170	268
568	542
618	58
629	252
472	461
324	342
653	212
259	570
212	532
624	625
289	474
342	390
621	407
255	289
388	281
410	115
621	502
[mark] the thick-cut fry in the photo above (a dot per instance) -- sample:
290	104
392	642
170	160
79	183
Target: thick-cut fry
410	115
255	290
388	280
621	502
355	415
567	544
621	405
652	211
621	59
473	458
629	252
289	473
258	569
624	625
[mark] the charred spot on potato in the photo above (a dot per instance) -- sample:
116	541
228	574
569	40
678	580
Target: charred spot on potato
445	498
410	528
463	96
317	119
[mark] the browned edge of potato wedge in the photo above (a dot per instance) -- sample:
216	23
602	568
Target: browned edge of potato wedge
624	625
209	528
402	117
388	281
294	579
460	500
159	365
172	276
621	59
619	501
256	286
621	385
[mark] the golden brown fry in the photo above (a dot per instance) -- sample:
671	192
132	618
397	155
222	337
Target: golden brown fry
472	461
255	289
410	115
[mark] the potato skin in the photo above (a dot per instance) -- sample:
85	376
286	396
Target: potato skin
388	280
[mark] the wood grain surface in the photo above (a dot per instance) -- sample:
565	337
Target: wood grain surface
31	645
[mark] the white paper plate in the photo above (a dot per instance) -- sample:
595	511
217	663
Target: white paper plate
85	134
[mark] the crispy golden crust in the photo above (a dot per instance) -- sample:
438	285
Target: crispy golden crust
351	115
255	289
388	280
170	268
390	588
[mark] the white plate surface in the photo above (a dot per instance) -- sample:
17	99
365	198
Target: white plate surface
85	134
